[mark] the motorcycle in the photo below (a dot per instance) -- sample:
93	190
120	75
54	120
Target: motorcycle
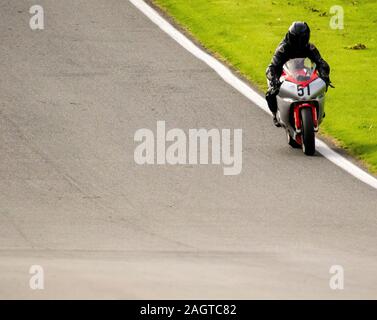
301	102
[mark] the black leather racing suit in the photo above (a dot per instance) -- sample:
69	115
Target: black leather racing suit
284	52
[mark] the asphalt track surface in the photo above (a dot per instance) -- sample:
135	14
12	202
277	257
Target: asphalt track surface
73	200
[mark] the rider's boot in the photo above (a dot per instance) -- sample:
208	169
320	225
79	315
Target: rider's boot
275	120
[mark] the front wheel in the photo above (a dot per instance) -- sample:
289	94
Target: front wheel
308	134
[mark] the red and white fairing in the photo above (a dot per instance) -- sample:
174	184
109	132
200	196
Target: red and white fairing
301	88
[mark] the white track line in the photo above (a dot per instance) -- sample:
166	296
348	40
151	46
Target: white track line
245	89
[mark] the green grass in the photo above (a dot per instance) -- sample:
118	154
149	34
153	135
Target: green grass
245	33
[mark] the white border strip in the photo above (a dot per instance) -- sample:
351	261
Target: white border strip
245	89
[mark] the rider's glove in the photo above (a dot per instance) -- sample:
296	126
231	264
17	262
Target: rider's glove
327	81
275	86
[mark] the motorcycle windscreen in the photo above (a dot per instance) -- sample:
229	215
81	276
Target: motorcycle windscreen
300	69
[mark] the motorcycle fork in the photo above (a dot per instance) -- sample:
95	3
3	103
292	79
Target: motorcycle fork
297	115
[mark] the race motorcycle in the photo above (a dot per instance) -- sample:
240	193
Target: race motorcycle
301	102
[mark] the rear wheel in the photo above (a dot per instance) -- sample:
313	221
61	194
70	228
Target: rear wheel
308	134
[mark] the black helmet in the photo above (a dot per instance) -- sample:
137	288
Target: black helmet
298	34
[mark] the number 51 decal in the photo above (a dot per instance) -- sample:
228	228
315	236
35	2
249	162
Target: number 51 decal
300	90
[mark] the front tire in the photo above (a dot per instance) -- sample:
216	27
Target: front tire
308	134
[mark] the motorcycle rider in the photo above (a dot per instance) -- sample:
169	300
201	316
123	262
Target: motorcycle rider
295	45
